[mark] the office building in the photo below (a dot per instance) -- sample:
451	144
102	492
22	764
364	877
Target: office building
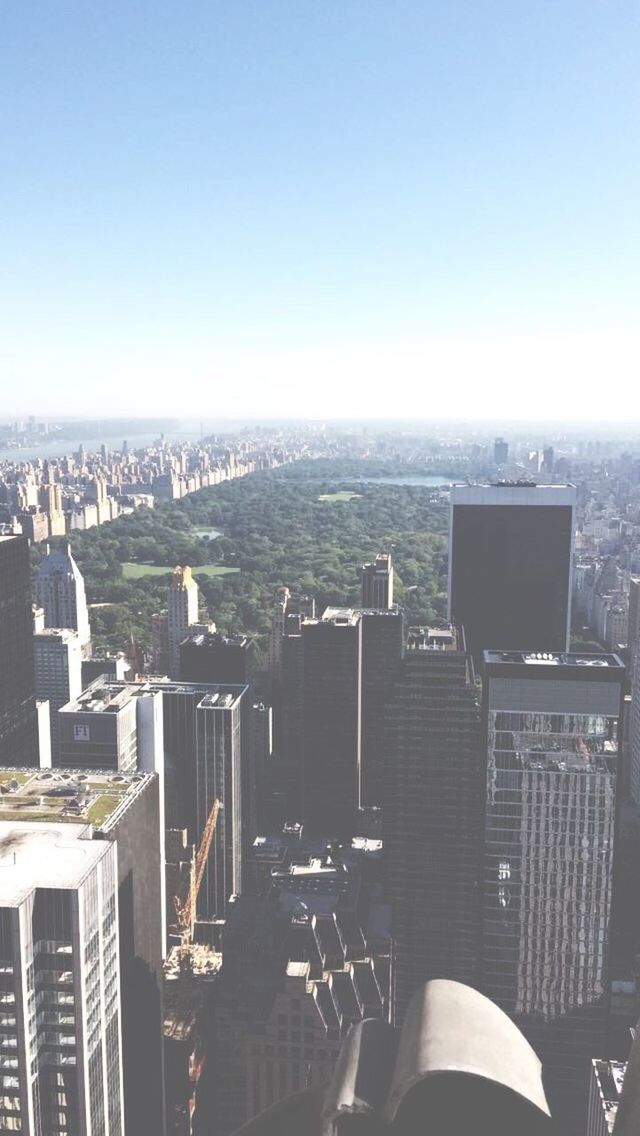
222	775
127	812
160	643
605	1090
214	658
377	582
285	605
634	725
332	708
18	722
61	1031
199	735
182	612
510	566
552	735
60	591
633	627
432	814
500	452
58	670
382	648
97	730
111	666
288	716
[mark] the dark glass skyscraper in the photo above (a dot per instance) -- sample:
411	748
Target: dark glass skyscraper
18	723
433	815
214	658
332	652
552	736
510	556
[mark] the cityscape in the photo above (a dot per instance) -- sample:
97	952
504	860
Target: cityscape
320	568
305	825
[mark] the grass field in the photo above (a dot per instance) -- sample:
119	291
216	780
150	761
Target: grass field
341	495
132	571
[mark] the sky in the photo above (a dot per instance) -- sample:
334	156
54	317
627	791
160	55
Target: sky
320	208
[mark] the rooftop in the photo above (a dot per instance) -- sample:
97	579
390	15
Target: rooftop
110	694
433	639
64	796
100	698
47	856
552	659
341	615
214	639
513	493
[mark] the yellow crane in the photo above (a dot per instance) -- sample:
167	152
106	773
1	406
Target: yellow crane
186	905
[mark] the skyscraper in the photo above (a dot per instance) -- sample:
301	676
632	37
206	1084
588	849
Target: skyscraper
129	813
551	723
212	657
332	707
61	1034
377	582
382	649
432	814
18	722
222	774
60	591
500	452
182	612
510	564
58	669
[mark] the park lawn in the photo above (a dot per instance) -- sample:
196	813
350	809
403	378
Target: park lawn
341	495
132	571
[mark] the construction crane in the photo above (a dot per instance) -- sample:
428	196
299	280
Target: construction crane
186	907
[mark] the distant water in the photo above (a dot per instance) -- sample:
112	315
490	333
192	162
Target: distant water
408	479
57	447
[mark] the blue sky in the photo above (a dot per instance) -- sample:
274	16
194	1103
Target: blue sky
320	208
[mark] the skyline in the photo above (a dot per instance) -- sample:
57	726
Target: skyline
297	209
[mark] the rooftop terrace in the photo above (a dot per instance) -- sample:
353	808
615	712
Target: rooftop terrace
68	795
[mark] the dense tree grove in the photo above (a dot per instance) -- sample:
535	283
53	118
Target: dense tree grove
275	530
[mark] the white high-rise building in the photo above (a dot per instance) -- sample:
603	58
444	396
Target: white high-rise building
61	1053
182	610
58	667
60	591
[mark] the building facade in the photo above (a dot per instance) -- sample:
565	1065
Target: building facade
332	710
510	566
432	815
552	737
377	582
61	593
58	670
61	1066
18	718
214	658
182	612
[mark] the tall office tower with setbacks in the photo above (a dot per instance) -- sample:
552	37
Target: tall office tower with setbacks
182	612
61	593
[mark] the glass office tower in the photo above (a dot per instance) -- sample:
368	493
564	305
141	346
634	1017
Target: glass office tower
552	730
